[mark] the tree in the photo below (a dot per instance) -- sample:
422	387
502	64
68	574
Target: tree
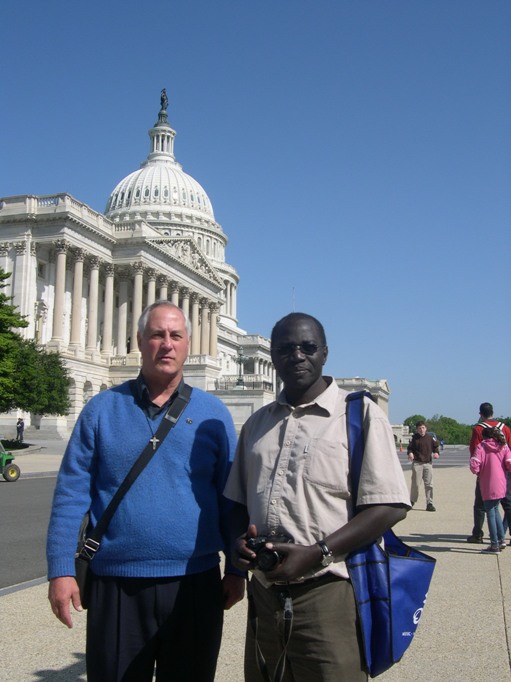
445	428
9	345
411	421
450	430
30	378
43	383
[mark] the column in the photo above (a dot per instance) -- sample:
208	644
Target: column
185	305
195	347
122	320
174	293
213	329
234	303
151	286
138	269
204	321
21	281
227	304
60	286
163	288
108	313
76	309
92	311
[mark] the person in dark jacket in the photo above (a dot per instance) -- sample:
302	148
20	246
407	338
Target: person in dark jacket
422	449
20	429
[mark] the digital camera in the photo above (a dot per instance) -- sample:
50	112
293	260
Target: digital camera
266	559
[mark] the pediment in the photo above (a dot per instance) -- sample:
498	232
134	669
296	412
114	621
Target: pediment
186	252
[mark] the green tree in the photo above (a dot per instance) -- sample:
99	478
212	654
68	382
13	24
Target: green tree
10	320
451	431
43	383
30	378
411	421
446	429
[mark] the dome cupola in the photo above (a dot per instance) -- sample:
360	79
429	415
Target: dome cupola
160	192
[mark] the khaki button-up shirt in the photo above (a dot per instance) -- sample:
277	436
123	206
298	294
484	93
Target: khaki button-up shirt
291	469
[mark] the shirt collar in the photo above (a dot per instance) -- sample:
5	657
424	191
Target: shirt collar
146	403
326	400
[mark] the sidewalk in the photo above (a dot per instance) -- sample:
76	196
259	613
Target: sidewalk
463	634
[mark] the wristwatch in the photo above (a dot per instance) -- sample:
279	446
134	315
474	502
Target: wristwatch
328	557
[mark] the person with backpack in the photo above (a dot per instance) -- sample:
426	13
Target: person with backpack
490	461
486	421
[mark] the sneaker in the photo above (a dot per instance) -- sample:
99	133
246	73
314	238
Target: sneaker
502	544
476	539
430	507
493	549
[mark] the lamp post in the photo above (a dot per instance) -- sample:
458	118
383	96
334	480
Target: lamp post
241	360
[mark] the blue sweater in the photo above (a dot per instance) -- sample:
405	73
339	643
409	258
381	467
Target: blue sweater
173	520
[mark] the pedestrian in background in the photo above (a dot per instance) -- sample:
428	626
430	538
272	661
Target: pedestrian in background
422	449
20	430
490	461
486	420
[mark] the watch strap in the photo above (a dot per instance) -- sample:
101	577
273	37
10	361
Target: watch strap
328	557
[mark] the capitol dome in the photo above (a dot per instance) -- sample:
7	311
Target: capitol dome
160	192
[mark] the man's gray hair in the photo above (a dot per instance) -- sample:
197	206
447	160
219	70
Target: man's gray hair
142	320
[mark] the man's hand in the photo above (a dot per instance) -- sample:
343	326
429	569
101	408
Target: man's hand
410	456
436	455
296	561
234	590
61	591
242	556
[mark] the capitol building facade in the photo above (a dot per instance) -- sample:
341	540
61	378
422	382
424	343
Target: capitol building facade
82	278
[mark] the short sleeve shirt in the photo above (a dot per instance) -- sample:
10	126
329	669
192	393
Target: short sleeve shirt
291	468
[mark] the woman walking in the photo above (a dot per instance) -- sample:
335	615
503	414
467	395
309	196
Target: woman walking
490	461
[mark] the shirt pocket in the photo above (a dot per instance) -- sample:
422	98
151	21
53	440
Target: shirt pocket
327	465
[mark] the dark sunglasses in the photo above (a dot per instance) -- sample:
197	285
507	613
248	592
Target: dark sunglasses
307	348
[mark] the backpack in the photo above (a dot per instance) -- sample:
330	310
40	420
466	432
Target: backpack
498	425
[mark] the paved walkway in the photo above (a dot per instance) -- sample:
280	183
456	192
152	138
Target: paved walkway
463	635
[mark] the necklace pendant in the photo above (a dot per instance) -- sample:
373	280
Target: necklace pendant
154	441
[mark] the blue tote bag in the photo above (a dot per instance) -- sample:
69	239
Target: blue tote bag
391	582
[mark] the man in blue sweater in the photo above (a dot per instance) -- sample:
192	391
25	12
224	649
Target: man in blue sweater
157	597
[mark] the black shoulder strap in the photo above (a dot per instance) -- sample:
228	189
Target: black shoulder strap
170	419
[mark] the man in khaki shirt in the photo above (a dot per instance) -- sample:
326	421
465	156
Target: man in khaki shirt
290	478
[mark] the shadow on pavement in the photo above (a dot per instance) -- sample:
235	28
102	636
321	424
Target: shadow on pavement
71	673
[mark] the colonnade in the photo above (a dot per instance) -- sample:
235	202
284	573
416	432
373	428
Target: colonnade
202	311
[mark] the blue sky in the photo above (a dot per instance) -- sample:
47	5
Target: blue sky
357	154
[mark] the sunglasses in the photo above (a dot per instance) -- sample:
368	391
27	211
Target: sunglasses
307	348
